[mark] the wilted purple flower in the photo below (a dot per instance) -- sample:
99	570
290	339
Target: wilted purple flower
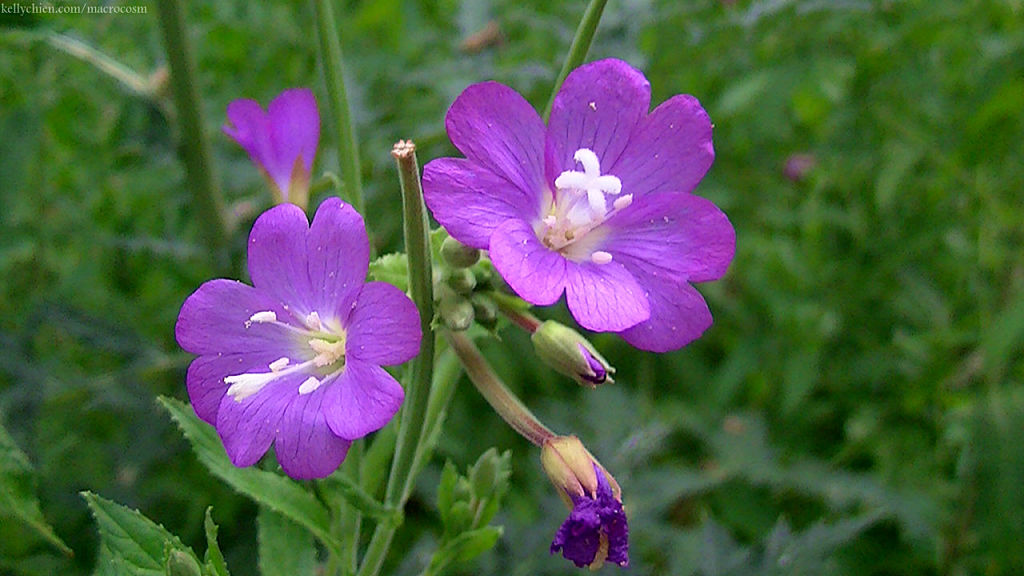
596	530
282	141
596	204
295	360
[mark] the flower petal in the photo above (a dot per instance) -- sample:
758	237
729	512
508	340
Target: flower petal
215	320
598	107
339	256
605	297
672	233
471	201
535	273
305	445
498	130
294	133
679	316
671	150
248	427
278	257
250	127
384	327
205	378
361	400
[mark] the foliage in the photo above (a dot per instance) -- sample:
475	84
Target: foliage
856	407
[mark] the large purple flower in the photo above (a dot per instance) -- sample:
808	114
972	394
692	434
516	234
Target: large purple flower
282	141
596	204
295	360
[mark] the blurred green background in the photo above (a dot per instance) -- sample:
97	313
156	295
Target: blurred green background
857	407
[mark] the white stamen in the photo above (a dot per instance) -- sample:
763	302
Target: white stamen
601	257
279	364
264	316
550	220
242	386
309	385
623	201
313	321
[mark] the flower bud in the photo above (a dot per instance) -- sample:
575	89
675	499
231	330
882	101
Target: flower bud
569	353
180	563
596	529
462	281
455	311
457	254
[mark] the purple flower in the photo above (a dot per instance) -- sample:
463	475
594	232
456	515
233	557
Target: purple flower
295	360
282	141
596	530
596	204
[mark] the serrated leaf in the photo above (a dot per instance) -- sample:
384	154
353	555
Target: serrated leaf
18	492
130	543
354	494
214	559
393	269
274	491
286	549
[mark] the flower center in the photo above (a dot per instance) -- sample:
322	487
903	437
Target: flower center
580	205
326	355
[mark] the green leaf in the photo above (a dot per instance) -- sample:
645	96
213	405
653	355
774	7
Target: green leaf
393	269
17	492
446	492
272	490
463	548
130	543
354	494
286	548
215	563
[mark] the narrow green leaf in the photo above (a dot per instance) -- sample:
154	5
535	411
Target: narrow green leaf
358	498
286	549
18	492
274	491
130	543
464	548
215	563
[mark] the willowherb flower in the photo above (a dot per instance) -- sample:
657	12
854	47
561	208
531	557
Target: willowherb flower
596	530
295	359
282	141
597	204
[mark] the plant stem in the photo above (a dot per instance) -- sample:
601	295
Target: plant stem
417	391
520	317
194	147
490	386
334	78
579	47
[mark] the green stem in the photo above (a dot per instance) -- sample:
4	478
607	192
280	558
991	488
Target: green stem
334	78
194	146
520	317
490	386
579	47
417	392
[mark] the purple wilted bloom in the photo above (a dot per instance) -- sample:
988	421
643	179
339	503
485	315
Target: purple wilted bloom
597	204
596	530
295	359
282	141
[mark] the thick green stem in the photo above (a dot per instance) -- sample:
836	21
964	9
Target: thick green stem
490	386
334	78
194	147
417	391
579	47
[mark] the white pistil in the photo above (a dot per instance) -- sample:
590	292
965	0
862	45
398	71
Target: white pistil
601	257
279	364
327	352
309	385
581	204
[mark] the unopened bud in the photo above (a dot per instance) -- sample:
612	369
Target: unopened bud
462	281
569	353
455	311
180	563
458	255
